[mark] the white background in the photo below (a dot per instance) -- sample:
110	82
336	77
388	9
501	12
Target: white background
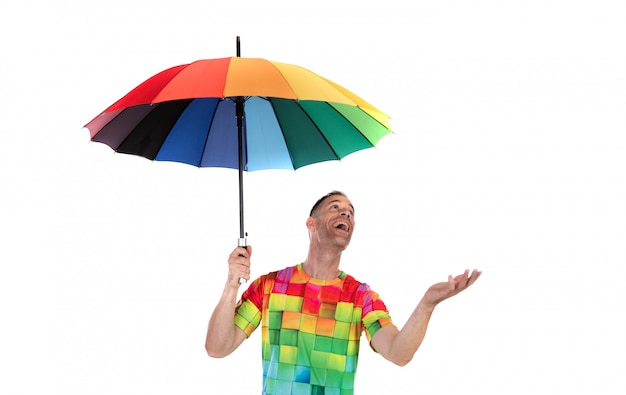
508	156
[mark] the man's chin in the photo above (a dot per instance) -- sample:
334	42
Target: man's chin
343	243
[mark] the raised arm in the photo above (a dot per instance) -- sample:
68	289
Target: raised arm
399	346
223	336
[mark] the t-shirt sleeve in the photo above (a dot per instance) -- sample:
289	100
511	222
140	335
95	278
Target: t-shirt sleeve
374	315
248	309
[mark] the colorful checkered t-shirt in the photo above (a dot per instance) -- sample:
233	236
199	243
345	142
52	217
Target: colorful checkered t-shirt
311	329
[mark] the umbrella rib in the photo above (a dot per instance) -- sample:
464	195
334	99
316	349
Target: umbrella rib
152	107
206	140
269	99
285	79
353	125
319	131
374	119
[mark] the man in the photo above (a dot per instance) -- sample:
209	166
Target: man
313	314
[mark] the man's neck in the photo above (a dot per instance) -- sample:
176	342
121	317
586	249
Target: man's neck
322	265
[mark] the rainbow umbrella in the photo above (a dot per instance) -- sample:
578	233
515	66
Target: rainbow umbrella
242	113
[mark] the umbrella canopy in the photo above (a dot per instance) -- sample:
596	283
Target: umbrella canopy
292	117
241	113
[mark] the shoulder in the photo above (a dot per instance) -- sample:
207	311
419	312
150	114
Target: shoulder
350	282
282	275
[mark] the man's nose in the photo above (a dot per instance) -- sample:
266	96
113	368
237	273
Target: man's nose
346	213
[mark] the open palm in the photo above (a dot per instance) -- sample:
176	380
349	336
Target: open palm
441	291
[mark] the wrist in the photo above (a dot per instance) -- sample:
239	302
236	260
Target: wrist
231	288
425	307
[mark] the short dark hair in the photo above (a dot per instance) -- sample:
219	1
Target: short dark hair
320	200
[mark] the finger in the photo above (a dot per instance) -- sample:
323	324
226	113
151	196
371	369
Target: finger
241	272
239	262
461	279
237	271
474	277
240	251
245	251
235	254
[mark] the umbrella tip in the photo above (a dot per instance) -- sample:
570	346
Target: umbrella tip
238	47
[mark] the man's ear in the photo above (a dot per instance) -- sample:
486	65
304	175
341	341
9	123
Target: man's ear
310	224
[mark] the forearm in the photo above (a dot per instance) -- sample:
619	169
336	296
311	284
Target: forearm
221	338
399	347
412	334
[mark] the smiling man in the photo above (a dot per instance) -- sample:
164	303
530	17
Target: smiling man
313	314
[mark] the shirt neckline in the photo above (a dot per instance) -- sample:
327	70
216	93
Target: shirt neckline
318	281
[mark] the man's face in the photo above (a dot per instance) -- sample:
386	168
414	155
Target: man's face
334	221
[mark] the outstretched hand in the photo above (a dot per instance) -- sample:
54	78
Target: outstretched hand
439	292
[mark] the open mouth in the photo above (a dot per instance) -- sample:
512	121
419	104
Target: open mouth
342	226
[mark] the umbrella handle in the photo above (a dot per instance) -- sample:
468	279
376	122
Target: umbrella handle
242	242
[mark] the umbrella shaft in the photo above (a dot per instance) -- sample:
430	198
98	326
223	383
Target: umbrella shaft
239	114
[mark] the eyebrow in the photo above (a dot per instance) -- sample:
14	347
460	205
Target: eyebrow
337	200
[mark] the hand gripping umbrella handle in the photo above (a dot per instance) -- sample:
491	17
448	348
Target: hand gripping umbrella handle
242	242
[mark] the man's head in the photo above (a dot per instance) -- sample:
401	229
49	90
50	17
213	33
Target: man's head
331	220
321	200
